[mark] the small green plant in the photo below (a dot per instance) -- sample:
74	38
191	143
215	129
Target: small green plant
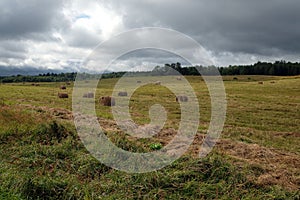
155	146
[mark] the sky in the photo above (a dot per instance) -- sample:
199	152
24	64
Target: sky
60	34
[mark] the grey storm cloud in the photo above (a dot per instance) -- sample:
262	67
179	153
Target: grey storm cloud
12	49
14	46
256	26
160	57
21	18
82	38
234	31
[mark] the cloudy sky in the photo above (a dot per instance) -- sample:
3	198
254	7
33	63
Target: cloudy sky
59	34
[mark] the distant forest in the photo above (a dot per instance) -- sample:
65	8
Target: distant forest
278	68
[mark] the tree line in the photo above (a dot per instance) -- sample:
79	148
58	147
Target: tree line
278	68
49	77
56	77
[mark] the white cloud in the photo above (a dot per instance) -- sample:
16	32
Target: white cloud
86	23
59	34
94	18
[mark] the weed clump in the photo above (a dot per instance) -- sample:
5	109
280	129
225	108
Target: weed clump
44	188
49	134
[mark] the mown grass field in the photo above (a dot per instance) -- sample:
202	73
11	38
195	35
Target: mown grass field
257	156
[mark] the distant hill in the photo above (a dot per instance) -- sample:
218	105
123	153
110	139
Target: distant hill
26	70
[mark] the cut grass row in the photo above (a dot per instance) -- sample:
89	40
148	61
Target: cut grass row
49	162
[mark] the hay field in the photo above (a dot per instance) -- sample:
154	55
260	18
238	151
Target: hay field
257	156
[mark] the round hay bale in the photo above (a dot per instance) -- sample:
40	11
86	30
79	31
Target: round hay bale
63	95
88	95
260	82
107	101
178	78
62	87
138	81
182	99
122	94
157	83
